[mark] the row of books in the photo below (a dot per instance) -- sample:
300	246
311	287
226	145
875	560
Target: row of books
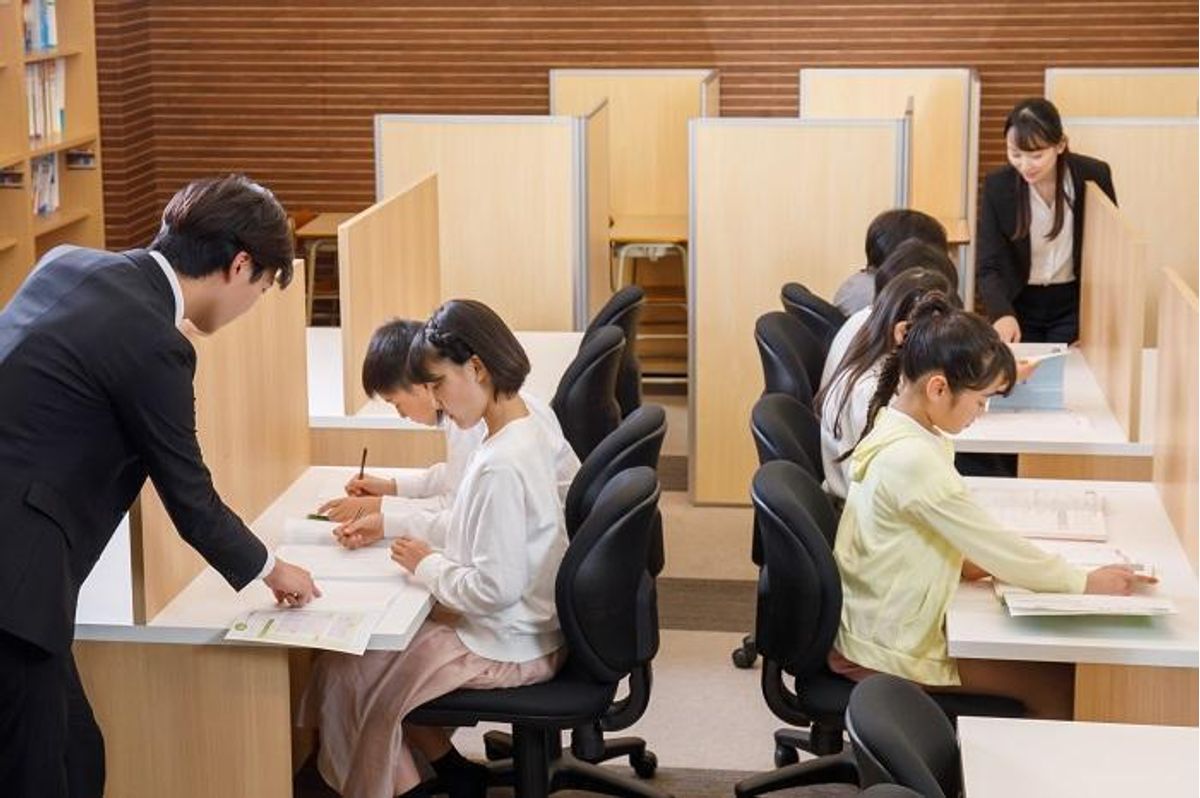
46	96
45	184
41	24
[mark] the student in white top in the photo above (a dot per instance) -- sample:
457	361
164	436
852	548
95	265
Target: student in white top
845	400
495	624
418	503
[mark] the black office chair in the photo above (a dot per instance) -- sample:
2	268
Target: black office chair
636	442
791	356
799	609
890	791
605	607
784	429
821	318
586	402
624	310
901	736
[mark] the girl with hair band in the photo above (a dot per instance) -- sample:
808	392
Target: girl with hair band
1031	228
495	623
911	530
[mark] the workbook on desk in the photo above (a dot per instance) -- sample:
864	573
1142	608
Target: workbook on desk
331	561
1044	388
1057	514
309	531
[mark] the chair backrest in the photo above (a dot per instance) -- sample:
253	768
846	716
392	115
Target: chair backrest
636	442
785	429
889	791
791	356
901	736
604	595
821	318
585	401
624	310
800	590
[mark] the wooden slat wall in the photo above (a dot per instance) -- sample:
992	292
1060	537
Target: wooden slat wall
286	90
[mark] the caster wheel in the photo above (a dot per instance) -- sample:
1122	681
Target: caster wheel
744	657
644	765
785	756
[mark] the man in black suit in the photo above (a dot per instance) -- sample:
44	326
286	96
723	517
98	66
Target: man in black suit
96	395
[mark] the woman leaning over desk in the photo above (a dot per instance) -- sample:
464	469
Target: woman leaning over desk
1031	228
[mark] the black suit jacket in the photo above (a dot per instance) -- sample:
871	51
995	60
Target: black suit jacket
1003	264
96	394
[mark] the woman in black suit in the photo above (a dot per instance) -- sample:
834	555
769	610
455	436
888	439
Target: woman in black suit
1031	228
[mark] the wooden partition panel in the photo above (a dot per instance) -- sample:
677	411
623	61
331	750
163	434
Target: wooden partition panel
388	266
1124	91
711	102
1111	306
942	147
597	188
1176	460
771	203
252	421
1154	167
649	113
507	207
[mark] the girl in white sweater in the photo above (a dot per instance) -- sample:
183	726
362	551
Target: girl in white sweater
495	623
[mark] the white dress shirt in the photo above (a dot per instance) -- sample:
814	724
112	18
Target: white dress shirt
1051	262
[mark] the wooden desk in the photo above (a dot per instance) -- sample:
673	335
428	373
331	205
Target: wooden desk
1003	757
1127	669
321	231
958	232
647	229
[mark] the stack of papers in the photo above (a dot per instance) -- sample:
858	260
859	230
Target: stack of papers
1025	603
1047	514
308	530
330	561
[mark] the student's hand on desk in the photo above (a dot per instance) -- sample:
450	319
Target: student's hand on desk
1008	328
409	552
1115	580
370	486
291	584
349	507
360	532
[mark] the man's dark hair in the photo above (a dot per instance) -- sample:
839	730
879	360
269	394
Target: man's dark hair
210	221
385	365
890	228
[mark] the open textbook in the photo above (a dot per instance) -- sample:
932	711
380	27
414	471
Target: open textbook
1058	514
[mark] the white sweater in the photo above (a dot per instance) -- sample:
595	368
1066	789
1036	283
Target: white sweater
421	506
504	543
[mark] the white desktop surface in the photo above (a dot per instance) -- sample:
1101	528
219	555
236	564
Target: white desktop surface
1003	757
202	612
979	627
1085	426
549	355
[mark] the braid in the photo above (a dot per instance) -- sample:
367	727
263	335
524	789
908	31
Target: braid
889	381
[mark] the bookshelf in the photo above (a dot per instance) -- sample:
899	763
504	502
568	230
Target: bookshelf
68	144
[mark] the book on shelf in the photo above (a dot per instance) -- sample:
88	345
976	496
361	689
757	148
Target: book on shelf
81	159
45	184
41	25
46	98
11	178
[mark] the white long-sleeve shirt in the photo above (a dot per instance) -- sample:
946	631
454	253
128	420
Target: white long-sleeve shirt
504	543
421	506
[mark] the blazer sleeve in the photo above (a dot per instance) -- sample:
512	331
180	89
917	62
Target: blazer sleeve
156	407
1104	180
994	259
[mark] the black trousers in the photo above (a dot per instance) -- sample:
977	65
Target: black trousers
1049	313
50	745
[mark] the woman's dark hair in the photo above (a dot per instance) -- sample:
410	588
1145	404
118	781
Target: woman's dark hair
876	339
962	346
209	222
889	228
461	328
385	366
915	254
1037	125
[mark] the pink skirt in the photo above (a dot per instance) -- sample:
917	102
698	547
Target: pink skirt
359	704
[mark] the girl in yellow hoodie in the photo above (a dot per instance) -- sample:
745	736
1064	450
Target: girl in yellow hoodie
910	530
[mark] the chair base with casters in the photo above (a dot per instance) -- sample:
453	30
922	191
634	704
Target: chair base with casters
745	655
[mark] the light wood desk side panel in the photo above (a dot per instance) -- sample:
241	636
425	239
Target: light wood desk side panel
506	209
388	266
1131	694
771	205
712	96
1154	167
396	448
1176	460
1074	466
941	128
1112	302
252	423
170	712
1124	92
599	209
648	132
